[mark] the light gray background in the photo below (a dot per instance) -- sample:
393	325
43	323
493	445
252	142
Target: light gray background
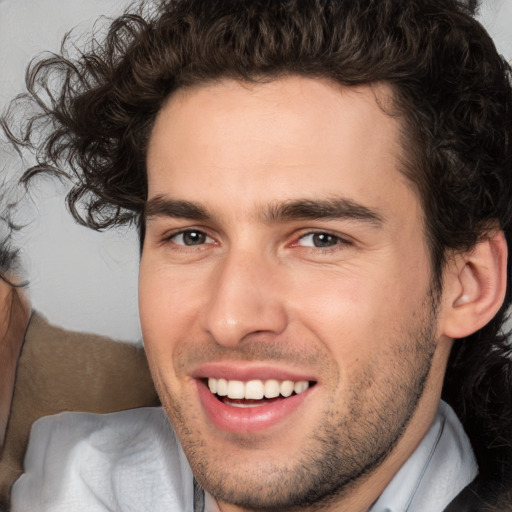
80	279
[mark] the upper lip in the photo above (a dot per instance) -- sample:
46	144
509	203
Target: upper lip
245	372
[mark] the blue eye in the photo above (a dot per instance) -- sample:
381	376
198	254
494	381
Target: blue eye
191	237
319	240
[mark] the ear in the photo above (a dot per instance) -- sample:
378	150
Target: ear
474	285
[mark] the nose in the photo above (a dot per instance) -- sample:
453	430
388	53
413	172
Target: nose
245	299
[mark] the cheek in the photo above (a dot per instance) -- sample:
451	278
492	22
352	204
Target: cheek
356	314
168	302
160	319
336	302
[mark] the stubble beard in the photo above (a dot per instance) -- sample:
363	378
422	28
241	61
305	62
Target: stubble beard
345	449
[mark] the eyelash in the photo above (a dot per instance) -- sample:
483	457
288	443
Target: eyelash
183	233
336	239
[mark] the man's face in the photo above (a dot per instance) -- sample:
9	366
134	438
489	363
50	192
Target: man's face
285	265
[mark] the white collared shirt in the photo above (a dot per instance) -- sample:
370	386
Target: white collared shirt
440	467
131	461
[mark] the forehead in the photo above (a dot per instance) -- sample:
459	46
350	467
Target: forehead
276	141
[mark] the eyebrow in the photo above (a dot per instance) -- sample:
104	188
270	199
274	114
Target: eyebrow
299	209
332	208
160	206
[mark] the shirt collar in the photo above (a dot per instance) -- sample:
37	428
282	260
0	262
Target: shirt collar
440	467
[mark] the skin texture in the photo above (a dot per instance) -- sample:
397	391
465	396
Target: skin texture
241	285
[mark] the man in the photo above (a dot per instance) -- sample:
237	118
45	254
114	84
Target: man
323	190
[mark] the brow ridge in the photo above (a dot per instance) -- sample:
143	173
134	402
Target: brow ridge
298	209
161	206
331	208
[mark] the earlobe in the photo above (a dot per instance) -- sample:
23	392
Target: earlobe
474	286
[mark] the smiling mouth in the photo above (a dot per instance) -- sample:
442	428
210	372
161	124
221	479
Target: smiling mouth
255	393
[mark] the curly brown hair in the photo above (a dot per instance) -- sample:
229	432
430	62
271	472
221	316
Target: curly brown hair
95	109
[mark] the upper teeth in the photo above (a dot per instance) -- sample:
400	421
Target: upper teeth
256	389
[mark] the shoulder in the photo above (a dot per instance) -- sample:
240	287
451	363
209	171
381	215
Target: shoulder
78	461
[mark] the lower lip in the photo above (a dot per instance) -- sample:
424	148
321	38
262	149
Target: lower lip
251	419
